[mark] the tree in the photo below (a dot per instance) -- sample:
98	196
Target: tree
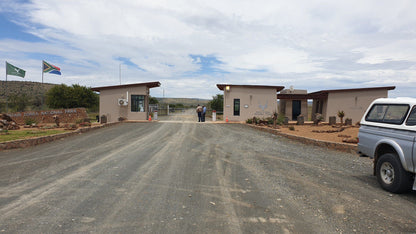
63	96
341	115
18	102
217	103
153	100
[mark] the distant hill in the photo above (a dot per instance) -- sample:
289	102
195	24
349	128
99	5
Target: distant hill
29	88
184	101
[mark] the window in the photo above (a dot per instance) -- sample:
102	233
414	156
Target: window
387	113
411	120
137	103
237	107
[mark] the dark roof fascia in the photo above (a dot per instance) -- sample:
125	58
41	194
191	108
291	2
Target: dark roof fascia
302	96
351	90
292	96
148	85
278	88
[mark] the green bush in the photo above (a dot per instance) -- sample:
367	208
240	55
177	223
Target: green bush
30	121
280	119
292	128
249	121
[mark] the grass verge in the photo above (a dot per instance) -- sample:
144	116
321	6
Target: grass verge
26	134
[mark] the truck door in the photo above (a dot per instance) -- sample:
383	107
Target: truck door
411	121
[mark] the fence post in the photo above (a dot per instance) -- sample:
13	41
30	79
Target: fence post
214	115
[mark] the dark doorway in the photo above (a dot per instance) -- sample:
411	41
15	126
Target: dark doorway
296	109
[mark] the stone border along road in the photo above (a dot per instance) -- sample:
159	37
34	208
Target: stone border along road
344	147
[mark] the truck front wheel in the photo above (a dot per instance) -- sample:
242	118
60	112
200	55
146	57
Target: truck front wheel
391	174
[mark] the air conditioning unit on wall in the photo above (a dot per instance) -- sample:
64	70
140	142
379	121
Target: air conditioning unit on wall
123	102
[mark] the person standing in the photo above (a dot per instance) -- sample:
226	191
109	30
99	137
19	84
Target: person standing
204	111
199	112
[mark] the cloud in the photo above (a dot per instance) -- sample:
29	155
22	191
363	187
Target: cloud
192	45
399	50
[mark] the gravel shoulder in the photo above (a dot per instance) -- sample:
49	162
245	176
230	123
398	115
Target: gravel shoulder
193	178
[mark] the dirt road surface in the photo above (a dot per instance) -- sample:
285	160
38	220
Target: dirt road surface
187	177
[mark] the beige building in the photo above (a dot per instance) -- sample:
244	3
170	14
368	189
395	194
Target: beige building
125	102
292	108
242	102
353	102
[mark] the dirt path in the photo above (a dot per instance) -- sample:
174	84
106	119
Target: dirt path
188	177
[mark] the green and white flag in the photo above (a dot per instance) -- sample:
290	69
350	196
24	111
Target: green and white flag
14	71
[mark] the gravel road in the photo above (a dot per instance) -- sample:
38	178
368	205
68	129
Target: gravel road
186	177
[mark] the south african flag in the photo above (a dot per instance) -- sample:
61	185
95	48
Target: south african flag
49	68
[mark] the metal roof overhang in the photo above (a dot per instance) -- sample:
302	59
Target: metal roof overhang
148	85
278	88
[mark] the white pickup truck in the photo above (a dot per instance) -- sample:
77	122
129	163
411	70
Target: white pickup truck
388	135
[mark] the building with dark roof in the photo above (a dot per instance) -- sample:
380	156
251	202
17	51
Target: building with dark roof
242	102
125	102
353	102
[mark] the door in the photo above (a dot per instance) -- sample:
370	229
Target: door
296	109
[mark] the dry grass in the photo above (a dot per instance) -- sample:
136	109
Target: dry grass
307	131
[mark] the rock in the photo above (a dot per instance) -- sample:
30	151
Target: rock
6	117
56	118
8	123
300	120
350	140
332	120
348	121
344	136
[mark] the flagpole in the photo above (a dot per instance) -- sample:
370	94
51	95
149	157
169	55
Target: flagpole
43	94
5	91
41	68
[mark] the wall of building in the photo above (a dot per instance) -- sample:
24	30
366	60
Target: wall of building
285	105
353	103
315	108
109	103
254	101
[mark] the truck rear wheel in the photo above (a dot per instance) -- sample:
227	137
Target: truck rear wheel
391	174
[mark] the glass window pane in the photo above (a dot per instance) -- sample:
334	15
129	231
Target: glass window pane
395	114
411	121
376	113
388	113
237	107
137	103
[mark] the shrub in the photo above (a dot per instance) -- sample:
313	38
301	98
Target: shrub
30	121
292	128
341	115
249	121
84	124
280	119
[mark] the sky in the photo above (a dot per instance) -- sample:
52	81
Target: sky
192	45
